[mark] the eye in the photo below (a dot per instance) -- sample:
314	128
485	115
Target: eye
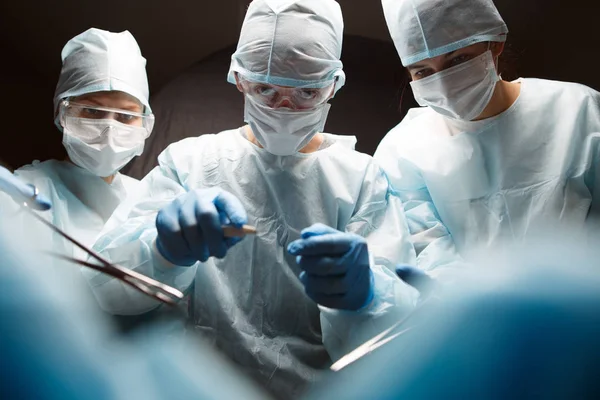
126	118
92	113
460	59
264	90
307	94
422	73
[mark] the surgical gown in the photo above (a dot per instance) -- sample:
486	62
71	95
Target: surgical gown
251	304
82	203
484	184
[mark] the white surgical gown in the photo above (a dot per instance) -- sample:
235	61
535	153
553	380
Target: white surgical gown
485	184
251	304
82	203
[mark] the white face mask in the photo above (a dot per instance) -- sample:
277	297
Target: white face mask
461	92
103	146
281	131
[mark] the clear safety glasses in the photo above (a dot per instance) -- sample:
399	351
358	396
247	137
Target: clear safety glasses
296	98
71	113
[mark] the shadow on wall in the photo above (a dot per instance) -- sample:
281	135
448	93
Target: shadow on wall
201	101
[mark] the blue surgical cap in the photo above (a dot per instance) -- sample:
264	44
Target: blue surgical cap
97	60
424	29
294	43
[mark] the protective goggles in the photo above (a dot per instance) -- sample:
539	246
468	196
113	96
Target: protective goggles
296	98
71	112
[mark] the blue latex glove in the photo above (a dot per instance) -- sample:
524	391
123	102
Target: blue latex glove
190	228
336	271
22	192
416	278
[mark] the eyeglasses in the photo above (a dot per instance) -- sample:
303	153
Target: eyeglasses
70	111
297	98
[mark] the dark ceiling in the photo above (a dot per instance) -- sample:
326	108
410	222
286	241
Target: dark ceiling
549	40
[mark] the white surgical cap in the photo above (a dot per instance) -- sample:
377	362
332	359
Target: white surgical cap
96	61
291	43
429	28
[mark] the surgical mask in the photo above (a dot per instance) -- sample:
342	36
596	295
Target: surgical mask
102	147
284	132
461	92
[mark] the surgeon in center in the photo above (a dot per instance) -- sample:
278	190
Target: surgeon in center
285	302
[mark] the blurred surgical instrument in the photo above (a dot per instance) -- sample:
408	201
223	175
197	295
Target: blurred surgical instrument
379	340
144	284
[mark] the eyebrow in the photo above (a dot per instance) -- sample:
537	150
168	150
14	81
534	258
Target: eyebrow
448	55
134	107
128	107
418	66
90	100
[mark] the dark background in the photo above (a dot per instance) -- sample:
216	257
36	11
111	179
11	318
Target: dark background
188	44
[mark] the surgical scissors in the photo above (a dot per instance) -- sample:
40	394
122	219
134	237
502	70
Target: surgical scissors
379	340
153	288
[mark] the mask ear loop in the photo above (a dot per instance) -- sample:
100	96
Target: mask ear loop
61	112
496	60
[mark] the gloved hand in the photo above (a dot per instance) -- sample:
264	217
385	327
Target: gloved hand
336	271
21	191
416	278
190	228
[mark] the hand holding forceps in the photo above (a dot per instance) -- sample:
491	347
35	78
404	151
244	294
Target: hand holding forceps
151	287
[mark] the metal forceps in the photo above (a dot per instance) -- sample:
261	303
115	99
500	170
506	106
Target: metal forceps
383	338
153	288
